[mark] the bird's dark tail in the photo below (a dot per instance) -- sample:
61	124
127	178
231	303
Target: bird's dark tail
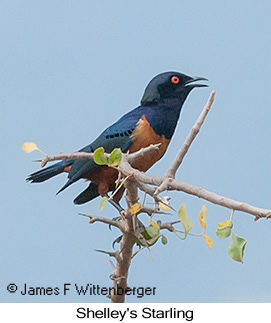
48	172
87	195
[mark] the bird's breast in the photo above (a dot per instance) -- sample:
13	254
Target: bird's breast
144	136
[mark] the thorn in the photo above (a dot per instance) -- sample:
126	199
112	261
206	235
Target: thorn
89	216
110	253
256	218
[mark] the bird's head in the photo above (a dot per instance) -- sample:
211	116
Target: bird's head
170	85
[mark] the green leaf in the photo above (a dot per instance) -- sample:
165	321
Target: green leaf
182	214
223	233
146	235
115	157
152	231
99	158
236	248
224	229
103	202
149	240
150	235
164	240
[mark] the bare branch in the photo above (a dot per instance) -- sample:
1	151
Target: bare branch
131	192
168	226
93	219
221	200
141	177
192	135
147	189
141	152
62	156
124	258
164	185
83	155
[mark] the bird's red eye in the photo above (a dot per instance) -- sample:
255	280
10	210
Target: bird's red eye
175	80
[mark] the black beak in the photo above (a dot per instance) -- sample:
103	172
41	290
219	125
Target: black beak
195	79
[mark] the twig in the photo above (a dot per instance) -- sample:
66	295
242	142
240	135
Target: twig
171	172
62	156
221	200
83	155
168	226
192	135
151	191
141	177
141	152
93	219
110	253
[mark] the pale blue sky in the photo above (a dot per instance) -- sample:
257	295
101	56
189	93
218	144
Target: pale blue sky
69	69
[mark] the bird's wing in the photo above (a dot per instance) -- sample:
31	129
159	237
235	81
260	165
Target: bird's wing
117	135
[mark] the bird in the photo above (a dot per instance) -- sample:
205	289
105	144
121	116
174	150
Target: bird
152	122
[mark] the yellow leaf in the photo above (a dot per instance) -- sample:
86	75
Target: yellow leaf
163	206
103	202
135	208
28	147
208	241
225	224
155	225
202	216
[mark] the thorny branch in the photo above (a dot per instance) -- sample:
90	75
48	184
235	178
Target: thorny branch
93	219
192	135
83	155
153	186
173	184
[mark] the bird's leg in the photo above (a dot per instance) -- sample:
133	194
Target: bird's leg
118	240
115	204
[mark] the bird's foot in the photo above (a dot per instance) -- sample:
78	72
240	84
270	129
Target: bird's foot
115	204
